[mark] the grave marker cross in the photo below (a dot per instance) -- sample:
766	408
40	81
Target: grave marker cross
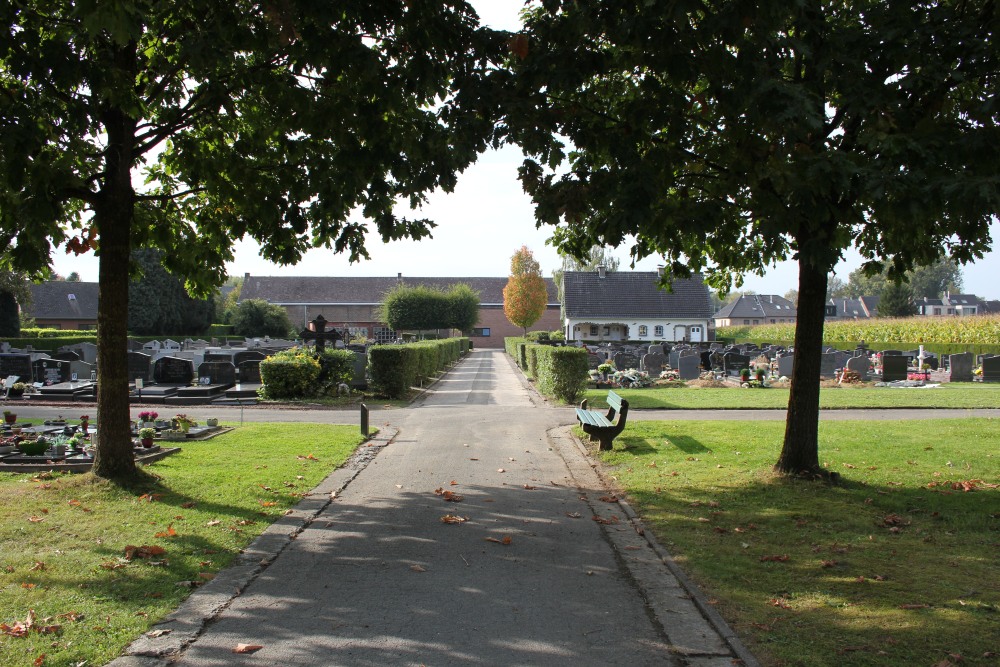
320	334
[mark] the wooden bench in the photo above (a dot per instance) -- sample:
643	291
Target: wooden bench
600	426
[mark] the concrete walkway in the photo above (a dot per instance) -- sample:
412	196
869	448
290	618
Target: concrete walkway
374	577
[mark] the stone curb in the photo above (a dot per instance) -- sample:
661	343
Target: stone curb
169	637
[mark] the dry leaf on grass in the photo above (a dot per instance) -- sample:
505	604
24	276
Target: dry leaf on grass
774	559
169	532
132	552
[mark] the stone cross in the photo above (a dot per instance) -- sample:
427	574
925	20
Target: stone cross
320	334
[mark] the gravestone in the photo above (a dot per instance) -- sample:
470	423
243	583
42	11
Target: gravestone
625	360
16	364
894	368
827	365
706	360
4	347
217	356
319	333
131	345
841	358
250	371
81	370
652	363
152	345
673	357
654	349
785	365
170	344
87	352
961	367
138	366
991	369
733	363
67	355
173	370
891	353
359	377
860	366
50	371
593	361
217	372
249	355
689	367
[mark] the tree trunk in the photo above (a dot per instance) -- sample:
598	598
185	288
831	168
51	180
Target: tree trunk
800	453
113	216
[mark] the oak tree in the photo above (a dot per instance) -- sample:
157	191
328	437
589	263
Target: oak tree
726	136
185	126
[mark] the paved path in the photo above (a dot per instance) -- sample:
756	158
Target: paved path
375	578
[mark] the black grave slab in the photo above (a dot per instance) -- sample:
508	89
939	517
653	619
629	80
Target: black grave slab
138	366
50	371
173	370
894	368
991	369
68	391
248	355
16	364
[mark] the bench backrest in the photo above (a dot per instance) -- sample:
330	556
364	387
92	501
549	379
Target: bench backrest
614	401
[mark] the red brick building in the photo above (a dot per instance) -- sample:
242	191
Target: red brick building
58	304
352	302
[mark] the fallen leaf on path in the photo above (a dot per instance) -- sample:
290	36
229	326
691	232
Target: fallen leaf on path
506	540
158	633
453	483
606	522
418	568
37	567
778	602
608	499
452	518
213	522
35	519
247	648
529	487
501	470
144	551
449	496
573	515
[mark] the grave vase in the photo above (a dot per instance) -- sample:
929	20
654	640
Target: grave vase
146	442
10	418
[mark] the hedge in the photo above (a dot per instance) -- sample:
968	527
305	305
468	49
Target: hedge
393	369
291	373
559	371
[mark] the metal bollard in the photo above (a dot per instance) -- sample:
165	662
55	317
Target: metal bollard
364	420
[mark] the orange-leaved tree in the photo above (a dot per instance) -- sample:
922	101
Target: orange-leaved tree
525	296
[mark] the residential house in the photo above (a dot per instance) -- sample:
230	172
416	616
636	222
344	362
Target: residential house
861	308
949	304
58	304
353	302
989	307
750	309
629	305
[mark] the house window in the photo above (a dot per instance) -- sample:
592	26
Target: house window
937	311
484	332
658	331
951	311
593	329
773	320
643	331
607	331
746	321
756	321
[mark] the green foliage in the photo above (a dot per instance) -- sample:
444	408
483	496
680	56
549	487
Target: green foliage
218	330
896	300
561	371
292	373
158	303
515	347
929	281
422	308
393	369
256	317
335	367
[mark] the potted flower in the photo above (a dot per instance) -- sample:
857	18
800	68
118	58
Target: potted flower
212	422
84	424
761	374
148	417
604	369
744	375
10	417
146	436
34	447
17	390
184	423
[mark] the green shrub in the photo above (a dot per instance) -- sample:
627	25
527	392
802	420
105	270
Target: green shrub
531	354
38	332
292	373
335	367
562	371
392	369
515	348
217	330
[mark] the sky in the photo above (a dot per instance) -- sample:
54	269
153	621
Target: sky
487	218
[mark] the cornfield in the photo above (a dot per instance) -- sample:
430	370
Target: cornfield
975	330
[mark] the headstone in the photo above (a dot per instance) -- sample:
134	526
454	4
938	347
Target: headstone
891	353
593	361
319	333
66	355
173	370
785	365
131	344
87	352
991	369
359	378
50	371
673	358
652	363
170	344
654	349
152	345
217	356
217	372
961	367
827	365
4	347
16	364
894	368
841	357
250	371
80	370
733	363
689	367
625	361
706	360
249	355
860	366
138	366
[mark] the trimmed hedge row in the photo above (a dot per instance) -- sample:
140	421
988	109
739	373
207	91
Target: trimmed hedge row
393	369
300	373
559	371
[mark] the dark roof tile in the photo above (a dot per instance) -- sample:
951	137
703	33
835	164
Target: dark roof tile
633	294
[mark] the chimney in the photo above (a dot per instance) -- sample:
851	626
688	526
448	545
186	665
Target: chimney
602	271
659	270
246	276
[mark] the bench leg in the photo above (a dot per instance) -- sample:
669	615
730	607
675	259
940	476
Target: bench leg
606	443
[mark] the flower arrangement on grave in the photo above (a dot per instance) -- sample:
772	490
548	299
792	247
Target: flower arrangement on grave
84	423
631	379
34	447
605	368
148	416
17	389
184	423
745	374
9	417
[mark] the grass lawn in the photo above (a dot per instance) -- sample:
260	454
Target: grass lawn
63	537
958	395
897	565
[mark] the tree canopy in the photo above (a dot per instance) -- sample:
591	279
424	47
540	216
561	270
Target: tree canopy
424	308
257	317
727	136
285	122
931	281
159	305
525	296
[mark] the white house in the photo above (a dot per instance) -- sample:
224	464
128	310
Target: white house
628	305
